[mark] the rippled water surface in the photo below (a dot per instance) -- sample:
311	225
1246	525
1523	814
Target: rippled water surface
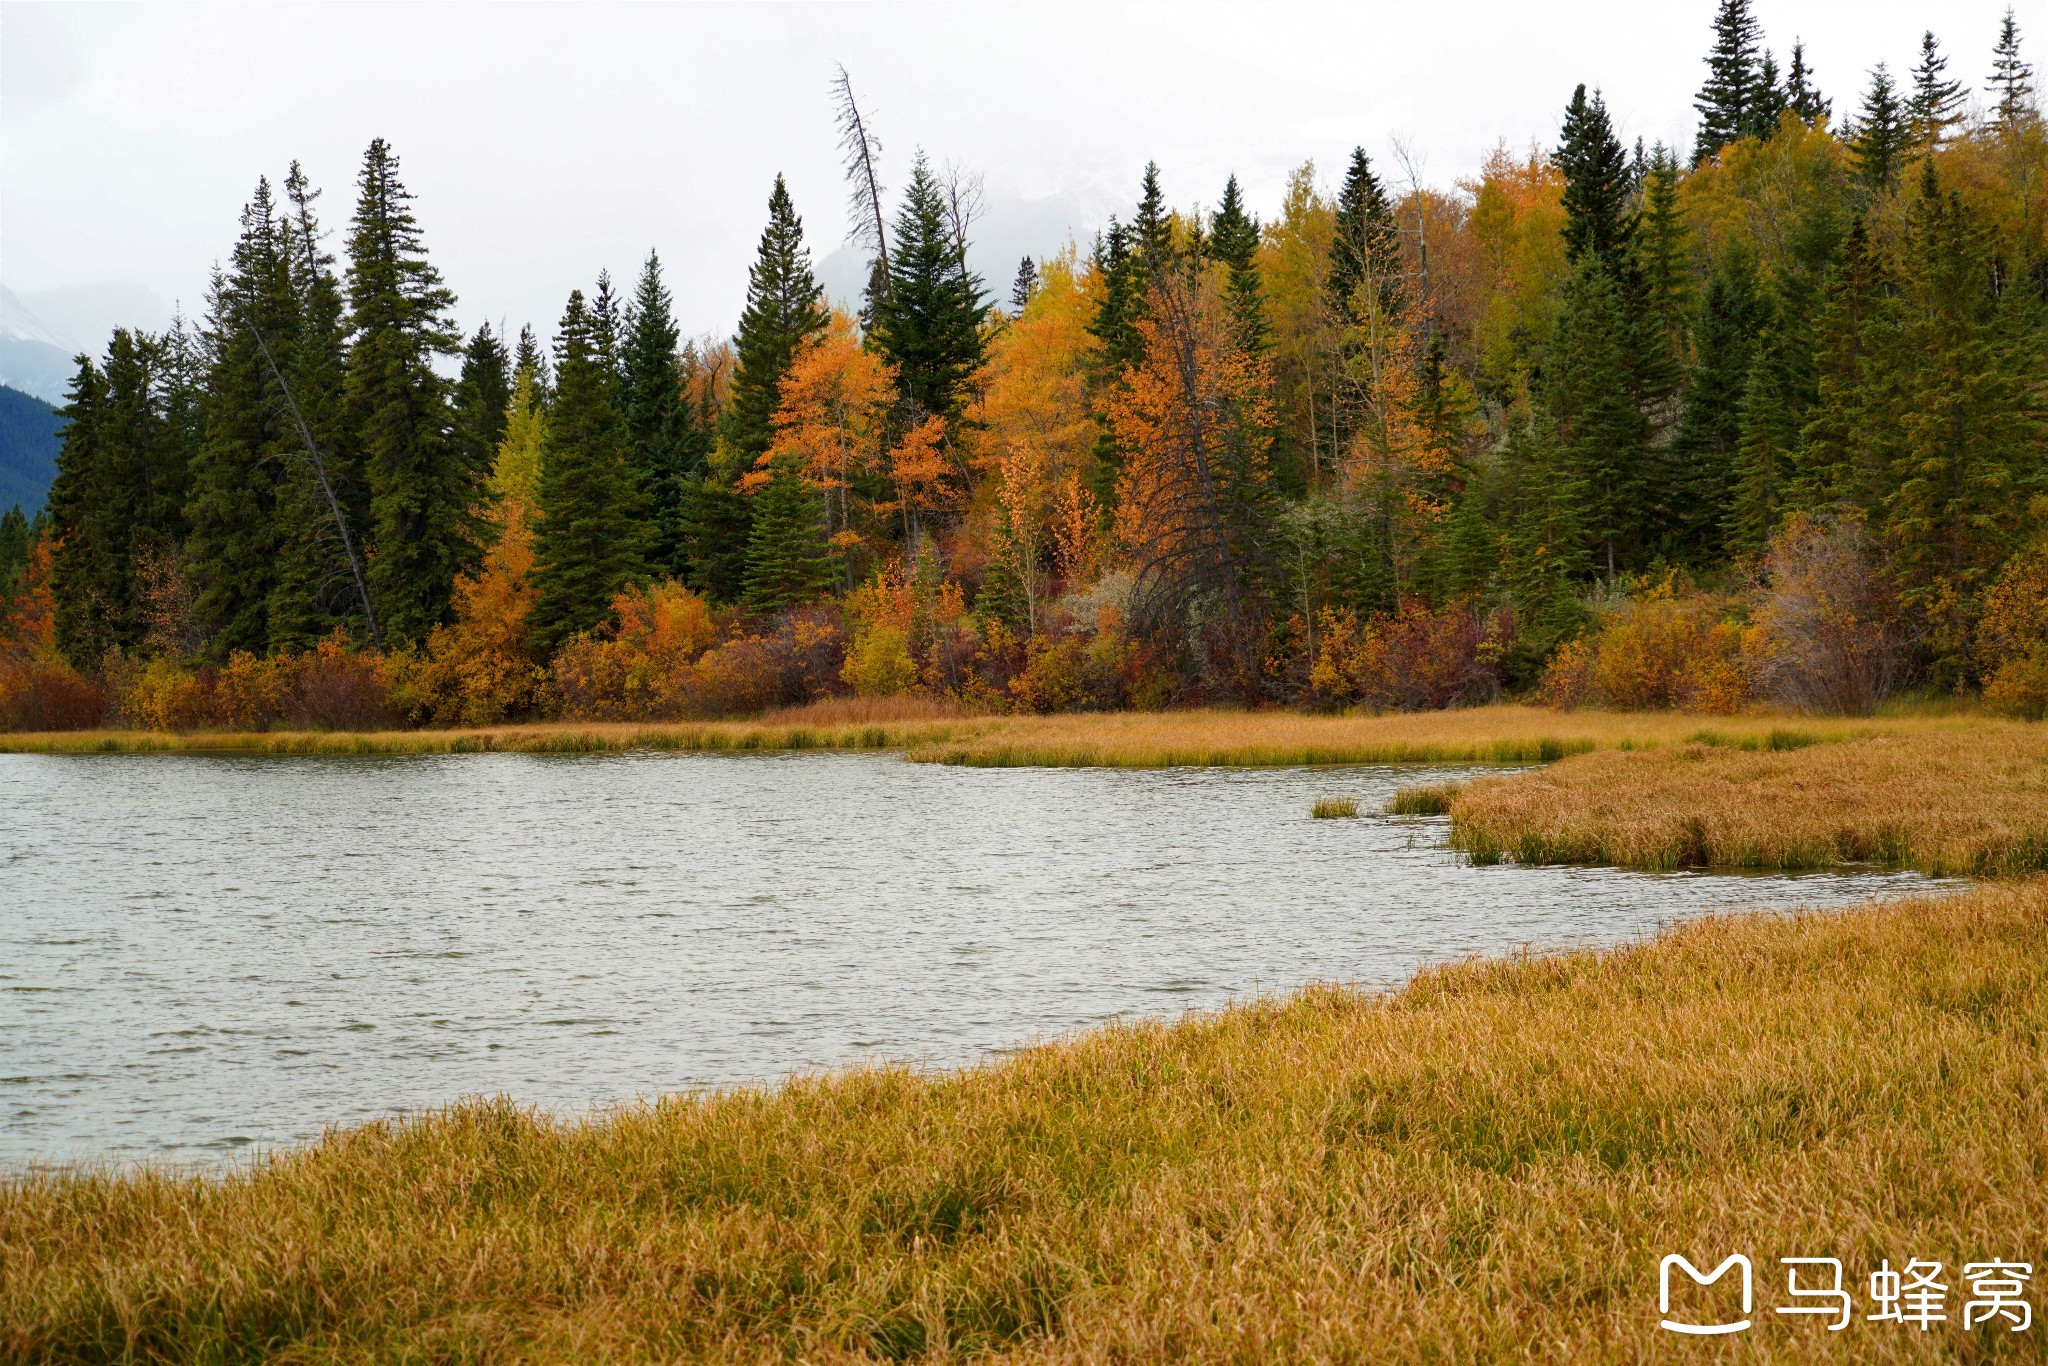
199	954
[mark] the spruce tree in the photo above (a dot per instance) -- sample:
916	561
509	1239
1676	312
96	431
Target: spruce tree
1882	135
1151	230
607	324
14	549
1116	315
1366	243
1936	104
1663	250
1598	219
661	433
529	359
425	490
784	308
1234	240
232	549
1545	563
2012	79
1727	102
592	538
789	561
88	572
1842	452
1705	449
1802	96
929	325
483	397
1602	432
1026	285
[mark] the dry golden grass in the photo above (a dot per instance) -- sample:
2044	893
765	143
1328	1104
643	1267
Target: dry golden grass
935	732
1334	808
1946	802
1487	1164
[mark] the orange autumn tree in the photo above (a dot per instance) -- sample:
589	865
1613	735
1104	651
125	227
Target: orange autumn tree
1195	422
832	423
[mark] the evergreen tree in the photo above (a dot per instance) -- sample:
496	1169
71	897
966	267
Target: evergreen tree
1024	288
1769	104
784	307
1841	455
929	326
1603	433
529	359
592	538
89	568
1545	560
661	434
232	549
1115	323
1151	231
2012	79
316	587
1598	220
1936	104
14	548
1234	240
483	398
789	561
1882	134
1724	331
606	324
425	491
1366	245
1735	80
1663	251
1802	97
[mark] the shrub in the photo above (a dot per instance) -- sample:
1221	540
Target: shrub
1663	648
2020	687
2012	635
1052	679
1829	636
43	692
1417	659
879	664
336	688
478	671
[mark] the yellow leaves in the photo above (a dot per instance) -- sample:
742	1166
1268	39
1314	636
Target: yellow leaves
477	672
1035	391
515	477
833	417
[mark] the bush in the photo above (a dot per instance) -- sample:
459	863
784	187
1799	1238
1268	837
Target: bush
653	665
879	663
42	692
2012	635
1417	659
1830	636
1662	649
2020	687
336	688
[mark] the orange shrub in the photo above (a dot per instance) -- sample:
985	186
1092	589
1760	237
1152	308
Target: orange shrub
1661	650
478	672
42	692
336	688
654	664
1418	659
2012	635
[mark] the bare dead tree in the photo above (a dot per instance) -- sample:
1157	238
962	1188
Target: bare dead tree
319	468
1412	167
864	200
966	200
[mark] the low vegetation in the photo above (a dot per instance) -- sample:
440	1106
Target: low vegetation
1334	808
1487	1164
1931	800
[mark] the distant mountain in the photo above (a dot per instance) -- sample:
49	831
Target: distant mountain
33	359
28	449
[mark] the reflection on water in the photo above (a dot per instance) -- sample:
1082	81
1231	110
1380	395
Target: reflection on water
198	954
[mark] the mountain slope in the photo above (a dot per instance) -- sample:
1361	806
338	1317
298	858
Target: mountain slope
28	449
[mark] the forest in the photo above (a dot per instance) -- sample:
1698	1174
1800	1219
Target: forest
1763	420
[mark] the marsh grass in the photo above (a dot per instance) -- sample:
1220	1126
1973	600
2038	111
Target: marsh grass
1973	804
1487	1164
1334	808
1423	801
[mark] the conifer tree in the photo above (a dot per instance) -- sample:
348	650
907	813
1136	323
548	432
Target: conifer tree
1025	286
929	325
1545	560
1802	97
2012	79
14	548
1936	104
529	359
1662	248
784	307
1151	233
1116	317
88	569
1727	102
483	397
661	432
232	549
1709	436
1598	220
1882	134
425	490
789	561
1234	240
1841	455
1602	432
607	325
1366	244
592	538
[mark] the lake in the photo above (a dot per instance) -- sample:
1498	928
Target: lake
200	955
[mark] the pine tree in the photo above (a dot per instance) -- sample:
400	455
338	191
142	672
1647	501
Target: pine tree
14	548
1598	220
661	434
2012	79
1769	103
784	307
1545	560
1936	104
1366	245
232	547
529	359
1115	323
88	571
483	398
1802	96
1663	252
1234	240
1151	232
789	561
1726	103
1841	456
607	326
1882	134
425	492
929	326
592	537
1024	288
1602	432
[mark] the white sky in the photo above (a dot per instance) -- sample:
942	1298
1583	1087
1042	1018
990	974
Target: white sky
546	141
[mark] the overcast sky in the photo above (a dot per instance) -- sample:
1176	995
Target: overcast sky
544	142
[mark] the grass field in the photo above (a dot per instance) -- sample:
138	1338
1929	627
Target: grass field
1973	803
934	734
1487	1164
